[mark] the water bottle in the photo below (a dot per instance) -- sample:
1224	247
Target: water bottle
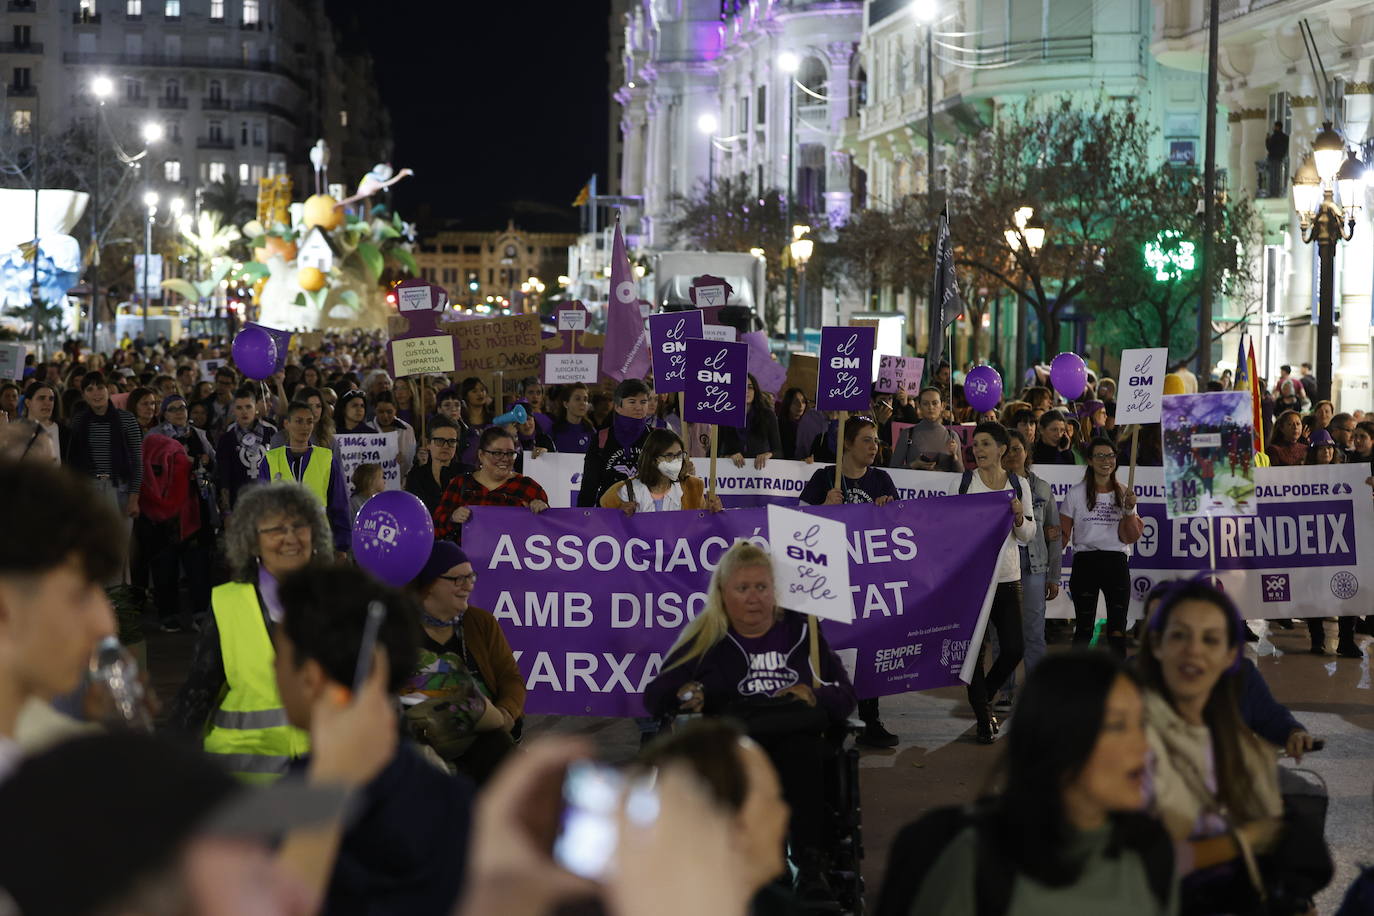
115	669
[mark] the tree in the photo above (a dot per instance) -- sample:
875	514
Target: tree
223	197
1152	277
1078	168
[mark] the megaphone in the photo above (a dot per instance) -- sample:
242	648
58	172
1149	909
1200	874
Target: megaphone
516	415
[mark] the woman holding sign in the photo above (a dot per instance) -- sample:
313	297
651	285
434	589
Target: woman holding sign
861	482
745	657
494	483
662	483
1098	516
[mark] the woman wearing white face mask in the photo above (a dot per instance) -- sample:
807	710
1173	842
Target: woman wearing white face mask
663	481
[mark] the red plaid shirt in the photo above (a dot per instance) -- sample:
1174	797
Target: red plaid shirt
464	490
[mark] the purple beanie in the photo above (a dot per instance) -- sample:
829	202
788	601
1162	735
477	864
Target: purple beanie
442	557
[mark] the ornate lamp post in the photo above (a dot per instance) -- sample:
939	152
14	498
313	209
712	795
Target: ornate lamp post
1025	240
1328	174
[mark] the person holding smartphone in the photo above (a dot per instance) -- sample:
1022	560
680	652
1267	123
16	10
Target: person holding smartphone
929	445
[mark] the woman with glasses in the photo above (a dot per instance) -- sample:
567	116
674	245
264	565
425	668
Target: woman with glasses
494	483
1098	518
467	665
662	483
436	464
276	529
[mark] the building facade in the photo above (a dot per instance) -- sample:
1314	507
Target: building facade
241	88
498	263
1267	75
755	91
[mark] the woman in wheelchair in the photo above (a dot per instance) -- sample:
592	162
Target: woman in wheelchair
746	658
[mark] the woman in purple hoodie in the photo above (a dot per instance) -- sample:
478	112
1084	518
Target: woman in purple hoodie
745	657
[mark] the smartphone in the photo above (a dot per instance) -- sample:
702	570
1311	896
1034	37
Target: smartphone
587	833
368	646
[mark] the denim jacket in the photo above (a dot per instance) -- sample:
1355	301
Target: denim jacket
1046	554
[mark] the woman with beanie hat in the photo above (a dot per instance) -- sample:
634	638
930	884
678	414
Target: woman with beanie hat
462	647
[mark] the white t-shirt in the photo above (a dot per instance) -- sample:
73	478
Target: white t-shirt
1095	530
1009	565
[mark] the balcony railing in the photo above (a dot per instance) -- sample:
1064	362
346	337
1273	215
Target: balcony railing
214	143
1061	48
171	101
137	101
21	6
28	47
21	92
179	61
209	104
270	108
1271	178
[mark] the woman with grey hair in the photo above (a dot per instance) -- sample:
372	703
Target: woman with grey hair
230	696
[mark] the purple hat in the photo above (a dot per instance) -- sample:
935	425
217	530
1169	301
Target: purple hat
442	557
169	401
1320	437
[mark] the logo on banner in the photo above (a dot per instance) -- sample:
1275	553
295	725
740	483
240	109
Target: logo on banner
1142	586
952	652
1344	585
1275	587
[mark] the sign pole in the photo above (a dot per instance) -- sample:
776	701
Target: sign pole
417	405
839	453
715	441
1135	443
813	627
500	408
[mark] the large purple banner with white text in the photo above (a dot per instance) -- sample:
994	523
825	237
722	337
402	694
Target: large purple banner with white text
591	600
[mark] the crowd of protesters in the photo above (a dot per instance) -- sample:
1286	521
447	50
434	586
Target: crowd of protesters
293	774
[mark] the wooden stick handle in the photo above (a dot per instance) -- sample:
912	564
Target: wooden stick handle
417	406
715	443
839	453
1135	445
814	628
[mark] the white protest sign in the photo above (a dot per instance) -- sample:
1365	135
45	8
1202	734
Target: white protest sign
810	564
208	368
1141	386
899	373
12	361
413	298
572	320
567	368
708	296
718	332
353	449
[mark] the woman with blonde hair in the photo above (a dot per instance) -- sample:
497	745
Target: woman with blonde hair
745	657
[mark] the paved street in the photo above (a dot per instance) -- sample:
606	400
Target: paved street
938	762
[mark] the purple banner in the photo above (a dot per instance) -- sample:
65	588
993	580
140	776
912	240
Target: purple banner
846	368
668	336
717	374
591	600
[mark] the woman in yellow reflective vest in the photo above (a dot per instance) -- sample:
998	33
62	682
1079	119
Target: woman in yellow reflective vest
230	697
313	467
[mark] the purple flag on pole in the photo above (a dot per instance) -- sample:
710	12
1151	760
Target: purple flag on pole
846	368
626	352
717	373
769	373
668	336
281	338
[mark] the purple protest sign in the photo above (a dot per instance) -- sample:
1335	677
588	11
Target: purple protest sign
770	374
592	600
717	373
846	368
668	336
421	347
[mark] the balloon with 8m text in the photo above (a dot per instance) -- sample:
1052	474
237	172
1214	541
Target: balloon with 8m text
392	536
255	353
1069	375
983	388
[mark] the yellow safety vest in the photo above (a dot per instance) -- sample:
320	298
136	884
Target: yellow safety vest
249	733
316	476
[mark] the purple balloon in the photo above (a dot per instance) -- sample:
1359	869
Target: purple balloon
392	536
983	388
255	353
1069	375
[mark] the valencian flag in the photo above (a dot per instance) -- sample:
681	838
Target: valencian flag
946	305
1247	379
626	353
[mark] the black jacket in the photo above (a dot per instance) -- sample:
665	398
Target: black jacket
420	481
760	437
607	463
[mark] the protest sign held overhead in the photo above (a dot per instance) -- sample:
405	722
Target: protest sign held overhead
1141	388
717	374
422	347
1209	454
668	336
899	373
569	368
486	346
846	368
810	564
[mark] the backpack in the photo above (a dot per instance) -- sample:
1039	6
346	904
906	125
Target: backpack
166	478
919	844
1012	480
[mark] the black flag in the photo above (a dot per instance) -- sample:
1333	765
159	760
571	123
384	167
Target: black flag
945	304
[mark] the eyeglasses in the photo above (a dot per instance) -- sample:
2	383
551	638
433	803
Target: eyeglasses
446	443
278	532
469	579
1104	456
670	456
502	455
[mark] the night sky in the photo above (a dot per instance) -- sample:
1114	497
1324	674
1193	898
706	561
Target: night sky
500	107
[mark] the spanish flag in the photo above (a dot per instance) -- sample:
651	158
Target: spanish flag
583	196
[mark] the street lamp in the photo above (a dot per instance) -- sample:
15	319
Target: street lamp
102	87
789	63
150	202
1325	222
708	124
925	12
801	248
1028	235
